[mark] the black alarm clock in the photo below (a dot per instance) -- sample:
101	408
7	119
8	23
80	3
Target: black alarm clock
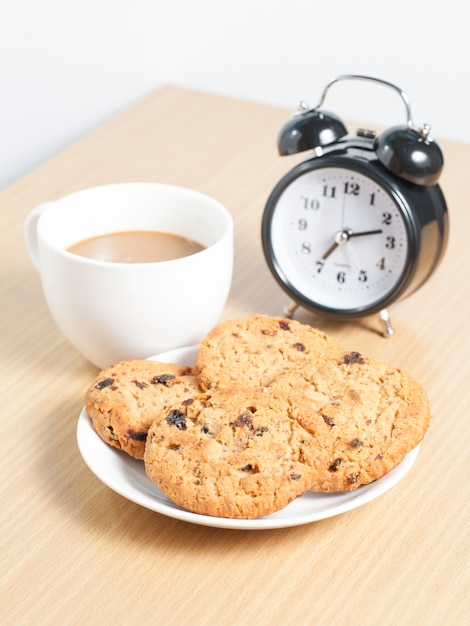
362	223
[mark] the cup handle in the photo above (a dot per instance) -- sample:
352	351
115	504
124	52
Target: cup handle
31	232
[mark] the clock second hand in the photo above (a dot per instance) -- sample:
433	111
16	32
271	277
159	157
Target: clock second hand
344	236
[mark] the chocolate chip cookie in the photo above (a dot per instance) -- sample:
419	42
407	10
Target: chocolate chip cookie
253	350
125	398
376	414
238	453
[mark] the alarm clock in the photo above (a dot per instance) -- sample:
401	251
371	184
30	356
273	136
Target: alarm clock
362	222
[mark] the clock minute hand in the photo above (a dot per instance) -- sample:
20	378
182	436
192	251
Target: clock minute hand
333	247
341	237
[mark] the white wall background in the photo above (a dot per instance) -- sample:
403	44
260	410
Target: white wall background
68	65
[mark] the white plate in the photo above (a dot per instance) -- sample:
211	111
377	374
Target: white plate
126	476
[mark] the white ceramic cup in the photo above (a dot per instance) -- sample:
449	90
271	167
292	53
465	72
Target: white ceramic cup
113	311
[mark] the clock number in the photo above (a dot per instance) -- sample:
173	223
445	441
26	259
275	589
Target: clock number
341	277
302	224
381	263
362	278
351	189
329	192
390	243
320	265
387	218
314	204
372	199
306	248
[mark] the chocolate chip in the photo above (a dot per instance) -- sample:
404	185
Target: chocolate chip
244	419
284	324
356	443
247	468
352	358
162	379
106	382
299	346
177	418
271	333
334	466
259	432
295	476
137	436
205	429
187	402
353	478
139	384
328	420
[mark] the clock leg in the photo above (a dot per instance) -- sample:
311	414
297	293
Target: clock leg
388	329
290	309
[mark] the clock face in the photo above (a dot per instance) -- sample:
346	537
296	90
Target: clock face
338	240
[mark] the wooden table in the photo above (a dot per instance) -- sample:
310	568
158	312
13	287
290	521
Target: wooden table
75	552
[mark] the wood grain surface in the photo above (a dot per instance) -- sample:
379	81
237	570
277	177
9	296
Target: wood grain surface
74	552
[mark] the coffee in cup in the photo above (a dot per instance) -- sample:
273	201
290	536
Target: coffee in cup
116	308
136	246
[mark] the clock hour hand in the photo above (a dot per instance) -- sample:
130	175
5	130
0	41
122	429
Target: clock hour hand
364	233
